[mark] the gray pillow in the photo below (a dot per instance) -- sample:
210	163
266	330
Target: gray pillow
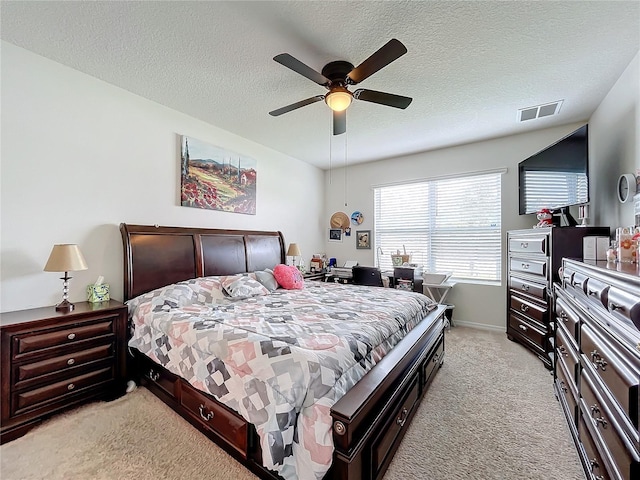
266	278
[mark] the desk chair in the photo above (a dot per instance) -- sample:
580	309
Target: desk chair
367	276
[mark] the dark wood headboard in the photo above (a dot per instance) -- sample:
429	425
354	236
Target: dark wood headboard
157	256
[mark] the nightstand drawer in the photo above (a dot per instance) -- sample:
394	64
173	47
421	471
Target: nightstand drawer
32	398
31	343
27	374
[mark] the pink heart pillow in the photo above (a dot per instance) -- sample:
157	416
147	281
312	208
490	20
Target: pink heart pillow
288	277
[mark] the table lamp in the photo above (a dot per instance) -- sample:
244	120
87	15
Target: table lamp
294	251
65	258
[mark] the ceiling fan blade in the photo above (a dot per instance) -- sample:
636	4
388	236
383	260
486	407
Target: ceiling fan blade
389	52
299	67
383	98
293	106
339	122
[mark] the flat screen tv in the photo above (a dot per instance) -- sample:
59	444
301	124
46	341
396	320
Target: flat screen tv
556	177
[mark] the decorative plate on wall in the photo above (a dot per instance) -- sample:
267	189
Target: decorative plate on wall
357	218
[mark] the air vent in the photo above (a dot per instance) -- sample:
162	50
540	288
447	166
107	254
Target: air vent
539	111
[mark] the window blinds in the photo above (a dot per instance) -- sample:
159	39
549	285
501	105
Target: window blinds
447	225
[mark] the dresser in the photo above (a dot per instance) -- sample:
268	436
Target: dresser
52	361
597	372
534	257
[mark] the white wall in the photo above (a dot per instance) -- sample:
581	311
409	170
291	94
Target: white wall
80	156
614	134
478	304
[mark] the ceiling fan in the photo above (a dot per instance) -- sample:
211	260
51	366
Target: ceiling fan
337	76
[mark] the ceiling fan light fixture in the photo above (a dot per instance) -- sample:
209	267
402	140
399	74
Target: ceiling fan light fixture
338	99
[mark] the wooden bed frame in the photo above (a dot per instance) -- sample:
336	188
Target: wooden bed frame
368	422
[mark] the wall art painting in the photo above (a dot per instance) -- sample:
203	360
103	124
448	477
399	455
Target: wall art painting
215	178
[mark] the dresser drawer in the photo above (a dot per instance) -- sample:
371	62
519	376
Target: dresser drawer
531	266
597	291
605	423
595	463
28	374
566	351
567	387
215	416
530	309
618	374
624	306
36	342
22	401
567	316
529	288
526	330
539	245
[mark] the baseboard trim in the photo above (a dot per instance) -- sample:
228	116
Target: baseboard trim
480	326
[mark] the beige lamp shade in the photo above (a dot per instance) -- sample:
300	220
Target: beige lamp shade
65	258
294	250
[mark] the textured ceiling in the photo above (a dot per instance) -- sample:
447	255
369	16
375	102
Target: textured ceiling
470	65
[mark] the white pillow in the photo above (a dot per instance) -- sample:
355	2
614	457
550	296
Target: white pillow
244	287
266	278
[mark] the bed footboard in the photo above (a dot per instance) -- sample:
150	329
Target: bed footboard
371	419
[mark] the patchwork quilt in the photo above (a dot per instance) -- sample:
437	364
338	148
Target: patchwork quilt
281	359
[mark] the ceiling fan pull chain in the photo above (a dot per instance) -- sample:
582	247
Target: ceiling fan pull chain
345	167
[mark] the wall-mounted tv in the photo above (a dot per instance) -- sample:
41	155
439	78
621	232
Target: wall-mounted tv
557	176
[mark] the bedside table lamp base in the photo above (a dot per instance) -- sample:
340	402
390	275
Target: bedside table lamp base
65	305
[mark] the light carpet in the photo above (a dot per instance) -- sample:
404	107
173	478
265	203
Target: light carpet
490	413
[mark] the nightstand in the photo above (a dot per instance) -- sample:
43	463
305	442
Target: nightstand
51	361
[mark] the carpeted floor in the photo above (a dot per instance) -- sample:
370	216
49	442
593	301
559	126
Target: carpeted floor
489	414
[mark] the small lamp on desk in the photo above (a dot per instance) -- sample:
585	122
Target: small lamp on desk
65	258
294	251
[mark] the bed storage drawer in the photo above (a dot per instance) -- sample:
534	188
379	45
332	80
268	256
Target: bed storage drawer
156	376
432	364
381	448
216	417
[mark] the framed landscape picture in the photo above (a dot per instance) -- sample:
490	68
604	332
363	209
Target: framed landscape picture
216	179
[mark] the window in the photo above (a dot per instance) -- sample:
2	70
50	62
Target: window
447	225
